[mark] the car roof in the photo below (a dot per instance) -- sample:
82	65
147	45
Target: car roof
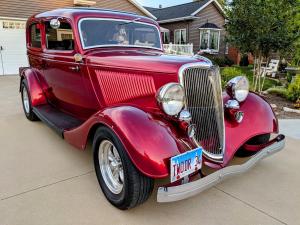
84	12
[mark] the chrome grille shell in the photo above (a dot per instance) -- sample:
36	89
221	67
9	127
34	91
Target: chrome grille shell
202	86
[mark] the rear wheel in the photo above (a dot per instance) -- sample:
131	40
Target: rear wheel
122	184
26	102
257	140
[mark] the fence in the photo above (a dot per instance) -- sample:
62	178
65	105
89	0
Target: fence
175	49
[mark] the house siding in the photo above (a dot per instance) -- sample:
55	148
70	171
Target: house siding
212	15
119	5
25	9
209	14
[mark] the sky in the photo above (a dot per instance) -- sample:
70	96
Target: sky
164	3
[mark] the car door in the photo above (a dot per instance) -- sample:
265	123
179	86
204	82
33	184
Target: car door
64	76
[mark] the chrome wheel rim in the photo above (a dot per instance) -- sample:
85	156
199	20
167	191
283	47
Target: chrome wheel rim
26	101
111	167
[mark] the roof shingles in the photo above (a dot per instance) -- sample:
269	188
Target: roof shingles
177	11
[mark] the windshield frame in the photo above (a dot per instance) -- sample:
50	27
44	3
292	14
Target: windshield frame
115	45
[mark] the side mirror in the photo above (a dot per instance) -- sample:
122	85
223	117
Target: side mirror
55	23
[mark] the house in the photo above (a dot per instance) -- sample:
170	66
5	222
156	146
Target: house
13	16
200	22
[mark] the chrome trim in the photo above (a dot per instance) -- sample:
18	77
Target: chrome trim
25	99
203	58
231	87
55	23
239	116
122	20
185	115
232	104
208	66
191	131
111	167
176	193
160	96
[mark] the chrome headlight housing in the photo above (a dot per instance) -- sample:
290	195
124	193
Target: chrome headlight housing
238	88
170	98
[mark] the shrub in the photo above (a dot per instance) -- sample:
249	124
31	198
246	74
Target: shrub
228	61
230	72
279	91
218	61
289	77
221	61
293	91
297	104
270	83
244	60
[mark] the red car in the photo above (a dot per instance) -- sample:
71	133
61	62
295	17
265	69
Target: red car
102	75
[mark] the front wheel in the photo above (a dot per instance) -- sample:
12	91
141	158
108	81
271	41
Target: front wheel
122	184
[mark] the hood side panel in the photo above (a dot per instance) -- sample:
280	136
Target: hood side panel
120	87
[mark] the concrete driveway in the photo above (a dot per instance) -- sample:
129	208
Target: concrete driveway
43	180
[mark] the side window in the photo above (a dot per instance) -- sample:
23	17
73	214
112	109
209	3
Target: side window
35	36
61	38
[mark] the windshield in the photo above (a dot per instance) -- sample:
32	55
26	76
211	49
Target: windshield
108	32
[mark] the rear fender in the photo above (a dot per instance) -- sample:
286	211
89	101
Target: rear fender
35	90
149	141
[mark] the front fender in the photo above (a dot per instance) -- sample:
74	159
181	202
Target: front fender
149	141
258	119
35	90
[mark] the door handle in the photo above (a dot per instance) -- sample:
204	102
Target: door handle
44	64
74	68
1	48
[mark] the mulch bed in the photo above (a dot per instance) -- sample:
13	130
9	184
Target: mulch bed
281	102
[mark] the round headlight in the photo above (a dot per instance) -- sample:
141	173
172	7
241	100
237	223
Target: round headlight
238	88
170	98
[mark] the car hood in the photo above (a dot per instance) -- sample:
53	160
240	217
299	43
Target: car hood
143	60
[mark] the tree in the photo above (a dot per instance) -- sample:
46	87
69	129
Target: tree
222	2
261	27
296	47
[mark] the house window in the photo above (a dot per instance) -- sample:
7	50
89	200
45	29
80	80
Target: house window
35	36
61	38
180	36
210	40
166	37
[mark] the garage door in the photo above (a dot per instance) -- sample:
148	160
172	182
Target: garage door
12	46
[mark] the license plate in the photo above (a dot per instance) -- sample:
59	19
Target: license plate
185	164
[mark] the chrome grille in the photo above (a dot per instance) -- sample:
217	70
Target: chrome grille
204	101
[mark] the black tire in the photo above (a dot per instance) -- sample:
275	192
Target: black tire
30	114
137	188
257	140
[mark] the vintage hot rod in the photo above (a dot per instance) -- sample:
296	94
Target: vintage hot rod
101	75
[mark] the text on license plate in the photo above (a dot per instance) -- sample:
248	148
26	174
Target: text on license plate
185	164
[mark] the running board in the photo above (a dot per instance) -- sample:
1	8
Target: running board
56	119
